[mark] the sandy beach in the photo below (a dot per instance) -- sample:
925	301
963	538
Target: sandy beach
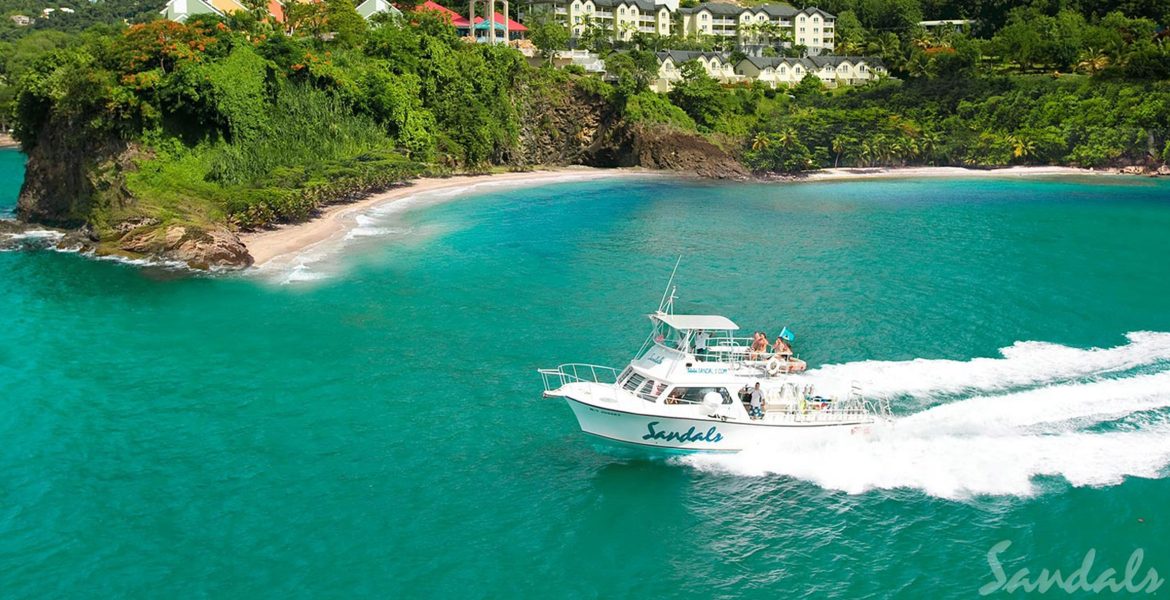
919	172
6	141
336	219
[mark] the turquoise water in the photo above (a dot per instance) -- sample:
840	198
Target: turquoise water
374	427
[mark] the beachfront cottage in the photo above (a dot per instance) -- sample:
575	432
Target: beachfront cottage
833	71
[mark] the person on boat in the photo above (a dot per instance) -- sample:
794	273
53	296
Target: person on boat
757	410
701	343
783	351
759	346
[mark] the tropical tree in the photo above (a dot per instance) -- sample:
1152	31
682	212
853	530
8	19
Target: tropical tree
1022	147
699	95
549	37
840	145
1093	61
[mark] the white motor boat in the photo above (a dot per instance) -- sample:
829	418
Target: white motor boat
689	388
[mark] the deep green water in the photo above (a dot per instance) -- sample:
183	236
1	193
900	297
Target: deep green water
370	422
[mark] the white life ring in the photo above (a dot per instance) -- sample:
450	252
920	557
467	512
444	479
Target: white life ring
773	366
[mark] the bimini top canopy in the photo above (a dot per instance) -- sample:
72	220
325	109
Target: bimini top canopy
685	322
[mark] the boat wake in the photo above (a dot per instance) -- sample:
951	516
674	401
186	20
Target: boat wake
1022	364
1090	417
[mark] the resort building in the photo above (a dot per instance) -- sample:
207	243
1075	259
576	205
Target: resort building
748	26
369	8
180	10
505	29
958	25
716	64
763	24
21	20
619	18
833	71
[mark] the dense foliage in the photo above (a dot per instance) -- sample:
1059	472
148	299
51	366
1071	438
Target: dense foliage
243	119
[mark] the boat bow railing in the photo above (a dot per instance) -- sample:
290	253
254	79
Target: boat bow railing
567	373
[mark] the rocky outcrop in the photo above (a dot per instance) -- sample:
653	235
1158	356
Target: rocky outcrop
576	126
72	176
661	147
71	173
561	128
195	247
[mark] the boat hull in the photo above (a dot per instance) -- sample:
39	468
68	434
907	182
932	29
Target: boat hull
695	434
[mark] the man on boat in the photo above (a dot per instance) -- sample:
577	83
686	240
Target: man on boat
701	343
757	410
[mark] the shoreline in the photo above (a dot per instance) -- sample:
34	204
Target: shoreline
844	173
334	220
6	141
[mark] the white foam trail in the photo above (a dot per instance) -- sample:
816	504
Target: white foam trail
985	445
1022	364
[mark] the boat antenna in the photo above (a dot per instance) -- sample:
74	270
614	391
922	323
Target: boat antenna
668	293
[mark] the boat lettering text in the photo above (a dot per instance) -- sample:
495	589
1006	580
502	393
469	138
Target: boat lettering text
689	435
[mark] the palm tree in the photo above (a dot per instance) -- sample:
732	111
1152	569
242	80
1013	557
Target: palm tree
928	144
923	40
787	138
865	153
760	142
1093	62
1022	146
840	143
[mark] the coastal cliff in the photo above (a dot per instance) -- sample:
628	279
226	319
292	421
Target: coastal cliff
580	127
76	181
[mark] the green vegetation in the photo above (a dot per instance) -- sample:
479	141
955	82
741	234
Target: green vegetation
238	121
1053	85
241	120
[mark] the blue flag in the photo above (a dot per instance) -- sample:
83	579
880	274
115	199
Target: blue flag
788	335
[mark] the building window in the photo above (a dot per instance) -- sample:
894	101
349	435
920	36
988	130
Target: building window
622	11
802	19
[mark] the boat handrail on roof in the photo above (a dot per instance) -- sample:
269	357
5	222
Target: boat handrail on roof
693	322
